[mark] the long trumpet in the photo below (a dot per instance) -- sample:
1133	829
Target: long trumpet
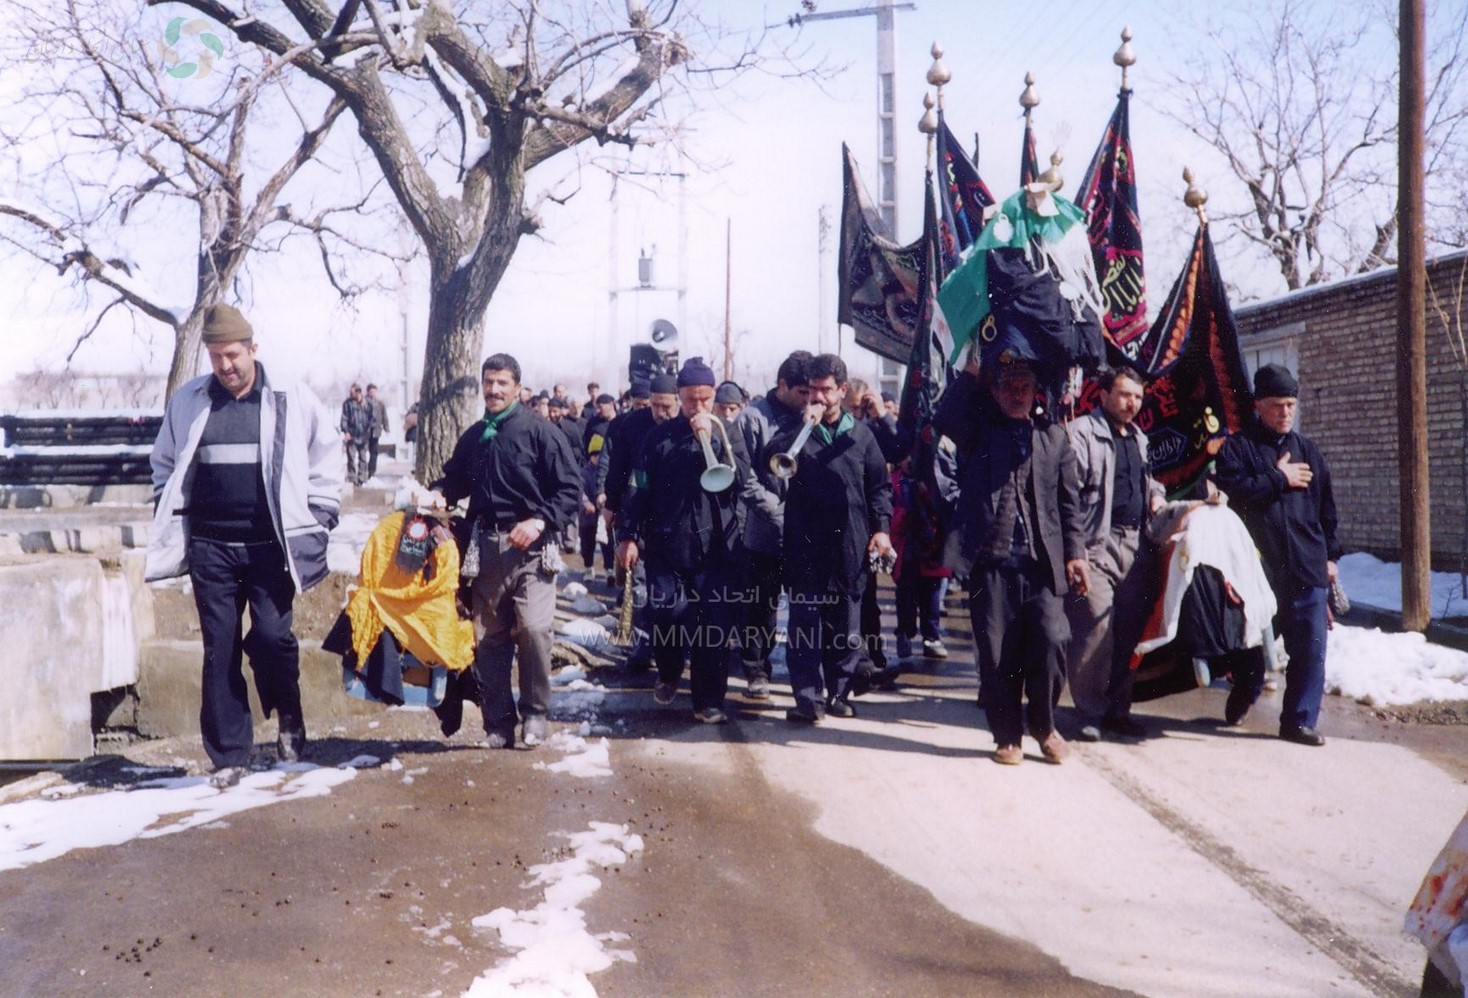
785	464
716	477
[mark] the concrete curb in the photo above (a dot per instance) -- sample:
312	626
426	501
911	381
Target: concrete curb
1366	615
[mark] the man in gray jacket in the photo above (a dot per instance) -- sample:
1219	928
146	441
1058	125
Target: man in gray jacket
247	479
1118	493
781	408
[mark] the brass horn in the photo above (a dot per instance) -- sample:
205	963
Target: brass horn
785	464
716	477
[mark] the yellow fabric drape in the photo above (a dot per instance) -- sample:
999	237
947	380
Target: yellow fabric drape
421	615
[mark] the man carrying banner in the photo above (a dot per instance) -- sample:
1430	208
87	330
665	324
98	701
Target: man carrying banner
1279	484
1017	538
1117	495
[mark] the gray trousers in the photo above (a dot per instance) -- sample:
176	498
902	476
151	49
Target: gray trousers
1105	625
514	609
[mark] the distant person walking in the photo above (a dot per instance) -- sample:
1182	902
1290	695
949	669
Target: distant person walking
356	428
247	480
377	428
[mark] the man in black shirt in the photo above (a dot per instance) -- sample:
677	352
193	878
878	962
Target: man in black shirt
523	486
247	478
1117	495
1279	484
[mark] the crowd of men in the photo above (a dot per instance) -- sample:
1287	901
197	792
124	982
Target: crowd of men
720	508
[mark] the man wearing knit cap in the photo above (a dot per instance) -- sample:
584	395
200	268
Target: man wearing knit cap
620	450
729	400
247	479
688	536
1279	483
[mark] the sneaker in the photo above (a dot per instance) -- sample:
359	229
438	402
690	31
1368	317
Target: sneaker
711	715
1009	755
1088	733
839	707
496	740
534	731
934	649
1054	749
758	688
663	693
805	712
227	776
1201	674
904	647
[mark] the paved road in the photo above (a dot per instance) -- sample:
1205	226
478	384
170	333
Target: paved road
880	855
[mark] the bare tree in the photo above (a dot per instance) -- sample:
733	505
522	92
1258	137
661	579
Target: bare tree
1299	98
129	146
457	101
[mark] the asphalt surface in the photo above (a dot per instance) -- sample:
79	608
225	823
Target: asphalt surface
881	855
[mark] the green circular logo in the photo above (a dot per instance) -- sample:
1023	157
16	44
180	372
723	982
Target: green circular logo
188	48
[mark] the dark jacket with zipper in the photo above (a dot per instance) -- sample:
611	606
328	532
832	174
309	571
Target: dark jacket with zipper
841	494
526	471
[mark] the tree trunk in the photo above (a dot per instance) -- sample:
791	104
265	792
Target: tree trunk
450	398
186	341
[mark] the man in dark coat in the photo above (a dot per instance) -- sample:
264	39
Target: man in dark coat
689	536
781	408
1017	537
1279	484
521	479
838	511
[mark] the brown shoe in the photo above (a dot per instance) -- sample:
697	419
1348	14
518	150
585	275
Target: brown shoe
1053	748
1009	755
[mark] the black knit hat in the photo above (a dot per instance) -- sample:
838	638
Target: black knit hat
1274	381
664	384
696	372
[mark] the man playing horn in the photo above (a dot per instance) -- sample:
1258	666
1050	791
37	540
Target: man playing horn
838	511
684	517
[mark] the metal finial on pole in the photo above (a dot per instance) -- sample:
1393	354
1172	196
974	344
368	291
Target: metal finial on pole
928	123
1125	57
938	73
1028	98
1195	197
1052	177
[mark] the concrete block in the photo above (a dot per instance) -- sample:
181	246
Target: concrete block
53	635
169	689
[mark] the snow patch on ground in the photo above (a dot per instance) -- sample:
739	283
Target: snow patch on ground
34	831
344	549
1369	580
556	951
583	759
1383	669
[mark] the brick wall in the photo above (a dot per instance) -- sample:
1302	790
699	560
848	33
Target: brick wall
1346	344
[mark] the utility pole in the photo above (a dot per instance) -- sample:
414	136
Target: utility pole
1416	539
728	297
886	96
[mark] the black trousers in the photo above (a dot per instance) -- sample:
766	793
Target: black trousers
762	589
227	578
1020	637
871	624
696	614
